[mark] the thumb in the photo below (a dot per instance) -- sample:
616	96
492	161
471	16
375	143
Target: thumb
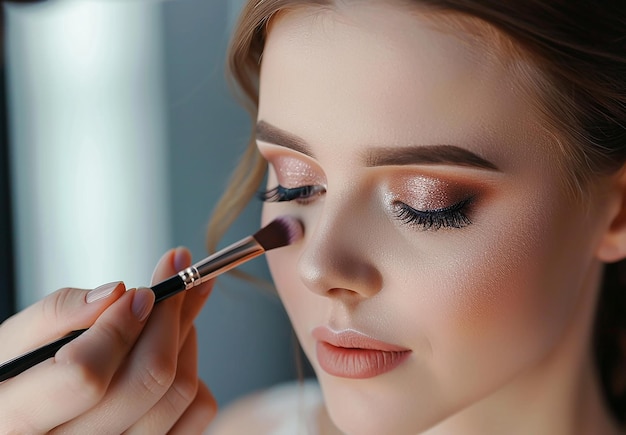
57	314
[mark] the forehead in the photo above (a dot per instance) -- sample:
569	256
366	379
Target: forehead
386	74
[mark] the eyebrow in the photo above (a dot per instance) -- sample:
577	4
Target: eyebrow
427	155
385	156
266	132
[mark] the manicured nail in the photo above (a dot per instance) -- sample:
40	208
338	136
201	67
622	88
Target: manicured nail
101	292
142	303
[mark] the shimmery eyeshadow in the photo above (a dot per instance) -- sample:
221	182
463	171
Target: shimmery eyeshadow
425	193
294	172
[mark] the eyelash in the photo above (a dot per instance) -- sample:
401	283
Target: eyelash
301	195
453	216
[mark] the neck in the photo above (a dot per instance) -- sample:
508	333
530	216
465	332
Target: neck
559	396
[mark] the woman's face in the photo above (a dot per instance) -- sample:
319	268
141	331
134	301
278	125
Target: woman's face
442	261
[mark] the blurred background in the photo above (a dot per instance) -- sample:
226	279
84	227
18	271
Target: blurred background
120	132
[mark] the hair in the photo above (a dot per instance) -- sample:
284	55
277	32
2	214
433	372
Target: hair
579	49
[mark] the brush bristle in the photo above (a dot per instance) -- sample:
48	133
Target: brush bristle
282	231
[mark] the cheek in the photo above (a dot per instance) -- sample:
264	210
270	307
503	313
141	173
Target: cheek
500	299
303	307
283	262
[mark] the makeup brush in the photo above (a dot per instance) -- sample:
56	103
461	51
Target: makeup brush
282	231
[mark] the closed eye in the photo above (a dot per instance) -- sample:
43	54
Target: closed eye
454	216
302	194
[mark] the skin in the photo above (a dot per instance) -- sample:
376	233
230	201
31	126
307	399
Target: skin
497	313
138	366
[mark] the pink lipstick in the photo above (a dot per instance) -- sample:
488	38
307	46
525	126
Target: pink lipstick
351	354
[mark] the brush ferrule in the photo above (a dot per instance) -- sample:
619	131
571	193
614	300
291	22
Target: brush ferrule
190	277
226	259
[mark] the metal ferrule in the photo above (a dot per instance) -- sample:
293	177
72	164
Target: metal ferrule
190	277
225	259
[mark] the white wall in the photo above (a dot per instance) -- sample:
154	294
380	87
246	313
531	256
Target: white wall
88	138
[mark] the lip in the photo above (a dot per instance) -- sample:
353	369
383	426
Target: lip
354	355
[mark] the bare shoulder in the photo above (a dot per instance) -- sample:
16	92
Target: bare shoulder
290	408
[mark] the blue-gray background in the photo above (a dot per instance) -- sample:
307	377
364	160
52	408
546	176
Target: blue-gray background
246	338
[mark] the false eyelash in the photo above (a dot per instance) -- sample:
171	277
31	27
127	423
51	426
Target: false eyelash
449	217
300	194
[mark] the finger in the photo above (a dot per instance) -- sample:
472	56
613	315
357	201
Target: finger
172	262
198	415
72	382
192	305
194	298
180	395
54	316
149	370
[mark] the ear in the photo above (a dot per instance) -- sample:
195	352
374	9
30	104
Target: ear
612	246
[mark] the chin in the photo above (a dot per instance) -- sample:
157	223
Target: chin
357	410
377	424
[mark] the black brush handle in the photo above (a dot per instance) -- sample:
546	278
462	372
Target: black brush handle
215	264
24	362
17	365
167	288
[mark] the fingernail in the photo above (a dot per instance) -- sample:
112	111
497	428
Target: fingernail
101	292
142	303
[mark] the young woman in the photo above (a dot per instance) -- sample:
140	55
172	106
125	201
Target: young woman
459	170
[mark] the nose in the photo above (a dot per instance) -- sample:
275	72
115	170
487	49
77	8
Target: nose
340	252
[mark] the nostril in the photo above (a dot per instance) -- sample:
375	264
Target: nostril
336	257
340	274
343	293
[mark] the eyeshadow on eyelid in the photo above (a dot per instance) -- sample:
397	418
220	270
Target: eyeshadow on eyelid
425	193
293	172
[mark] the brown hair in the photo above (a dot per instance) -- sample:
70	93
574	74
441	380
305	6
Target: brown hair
580	49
